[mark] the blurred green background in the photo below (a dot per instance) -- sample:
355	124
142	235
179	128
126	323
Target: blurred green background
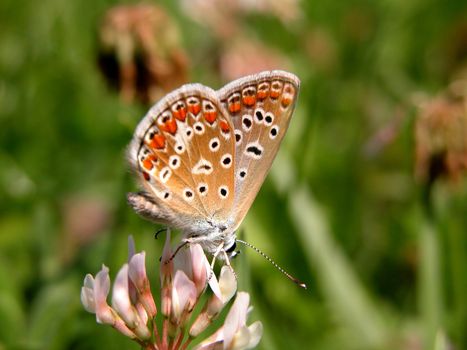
384	253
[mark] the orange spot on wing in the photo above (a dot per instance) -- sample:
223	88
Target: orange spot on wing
286	101
249	100
157	142
210	116
170	126
224	126
194	108
147	164
146	176
261	95
234	107
180	114
275	94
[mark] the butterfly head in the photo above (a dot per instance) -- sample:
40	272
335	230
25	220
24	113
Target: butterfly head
220	241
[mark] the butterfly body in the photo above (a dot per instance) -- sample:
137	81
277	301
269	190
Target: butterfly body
201	155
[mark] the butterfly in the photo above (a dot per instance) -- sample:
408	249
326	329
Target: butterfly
202	155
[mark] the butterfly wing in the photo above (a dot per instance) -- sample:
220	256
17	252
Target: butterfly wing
183	153
260	107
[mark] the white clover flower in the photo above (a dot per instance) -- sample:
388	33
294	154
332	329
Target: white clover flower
184	279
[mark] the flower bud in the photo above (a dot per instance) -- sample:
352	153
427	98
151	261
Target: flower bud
183	296
137	275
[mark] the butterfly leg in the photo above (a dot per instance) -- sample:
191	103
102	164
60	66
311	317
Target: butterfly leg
214	257
218	250
227	262
181	245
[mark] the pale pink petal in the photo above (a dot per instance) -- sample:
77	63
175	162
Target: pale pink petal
211	346
183	294
142	313
199	264
166	272
216	340
131	252
215	306
120	326
236	317
122	304
166	300
213	283
87	294
227	283
104	313
256	332
137	274
209	313
227	287
121	299
182	261
166	264
137	270
201	323
240	340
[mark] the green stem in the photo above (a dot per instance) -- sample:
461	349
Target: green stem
339	282
430	283
341	286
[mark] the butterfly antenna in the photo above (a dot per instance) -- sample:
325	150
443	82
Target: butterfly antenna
288	275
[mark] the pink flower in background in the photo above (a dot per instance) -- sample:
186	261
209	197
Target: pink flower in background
141	53
224	17
184	280
243	56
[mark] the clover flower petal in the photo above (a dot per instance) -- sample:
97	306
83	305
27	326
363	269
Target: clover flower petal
137	275
183	295
184	279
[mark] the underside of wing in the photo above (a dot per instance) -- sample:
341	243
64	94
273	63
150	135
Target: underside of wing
260	107
183	152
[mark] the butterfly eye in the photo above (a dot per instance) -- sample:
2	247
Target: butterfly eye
231	248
